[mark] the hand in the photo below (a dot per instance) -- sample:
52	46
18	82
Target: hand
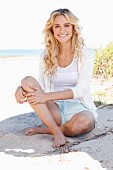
36	97
20	95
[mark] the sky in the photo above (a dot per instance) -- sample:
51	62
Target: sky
22	21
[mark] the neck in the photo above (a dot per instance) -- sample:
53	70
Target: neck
65	50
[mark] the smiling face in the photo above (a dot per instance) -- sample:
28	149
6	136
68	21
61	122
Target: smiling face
62	29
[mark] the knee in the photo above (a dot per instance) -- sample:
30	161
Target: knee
79	126
84	125
70	128
83	122
28	81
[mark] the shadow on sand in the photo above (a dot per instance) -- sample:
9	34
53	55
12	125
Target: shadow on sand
14	141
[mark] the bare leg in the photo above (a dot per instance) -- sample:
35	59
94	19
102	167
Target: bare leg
80	123
54	110
44	113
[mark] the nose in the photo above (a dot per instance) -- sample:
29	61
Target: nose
62	29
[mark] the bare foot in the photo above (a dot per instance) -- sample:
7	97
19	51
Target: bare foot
35	130
59	141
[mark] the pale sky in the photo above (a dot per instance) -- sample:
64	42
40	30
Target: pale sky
22	21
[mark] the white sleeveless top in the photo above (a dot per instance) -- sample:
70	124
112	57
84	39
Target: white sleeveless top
66	78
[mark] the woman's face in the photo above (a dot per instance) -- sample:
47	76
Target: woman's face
62	29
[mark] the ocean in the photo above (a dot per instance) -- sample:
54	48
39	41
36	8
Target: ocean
19	52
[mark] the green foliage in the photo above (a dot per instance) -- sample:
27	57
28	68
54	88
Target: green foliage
103	65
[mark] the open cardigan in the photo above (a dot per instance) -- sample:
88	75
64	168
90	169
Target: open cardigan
82	87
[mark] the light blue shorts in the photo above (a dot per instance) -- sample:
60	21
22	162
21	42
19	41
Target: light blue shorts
68	109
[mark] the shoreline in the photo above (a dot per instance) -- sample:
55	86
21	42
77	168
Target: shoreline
9	52
8	58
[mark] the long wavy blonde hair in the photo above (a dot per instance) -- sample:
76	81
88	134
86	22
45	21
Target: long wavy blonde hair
52	44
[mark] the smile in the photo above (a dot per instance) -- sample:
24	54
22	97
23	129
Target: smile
62	35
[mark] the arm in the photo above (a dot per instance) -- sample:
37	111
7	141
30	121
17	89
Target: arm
83	82
85	74
41	72
39	96
62	95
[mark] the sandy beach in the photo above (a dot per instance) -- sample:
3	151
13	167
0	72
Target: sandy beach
92	151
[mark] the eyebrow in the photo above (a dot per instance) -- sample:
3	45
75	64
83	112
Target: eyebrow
64	23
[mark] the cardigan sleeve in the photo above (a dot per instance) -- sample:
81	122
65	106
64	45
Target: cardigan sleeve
41	71
84	74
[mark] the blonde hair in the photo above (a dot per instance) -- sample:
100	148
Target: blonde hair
52	45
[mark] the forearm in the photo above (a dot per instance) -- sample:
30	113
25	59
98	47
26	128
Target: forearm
61	95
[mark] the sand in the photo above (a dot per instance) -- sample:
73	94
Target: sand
91	151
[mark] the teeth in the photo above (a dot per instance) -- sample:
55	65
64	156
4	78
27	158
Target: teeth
62	35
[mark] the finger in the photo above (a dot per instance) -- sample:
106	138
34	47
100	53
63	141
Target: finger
24	93
32	102
30	98
19	94
34	87
19	101
29	94
20	98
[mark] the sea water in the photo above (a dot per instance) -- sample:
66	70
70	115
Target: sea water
20	52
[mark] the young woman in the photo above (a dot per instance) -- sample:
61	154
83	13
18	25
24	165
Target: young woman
61	96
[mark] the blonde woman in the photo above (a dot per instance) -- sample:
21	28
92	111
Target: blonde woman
61	97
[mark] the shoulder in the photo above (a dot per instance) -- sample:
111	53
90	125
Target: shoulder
88	52
41	55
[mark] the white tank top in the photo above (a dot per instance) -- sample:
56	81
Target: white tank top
66	78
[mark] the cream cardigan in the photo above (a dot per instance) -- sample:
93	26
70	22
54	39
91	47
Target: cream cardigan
82	88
